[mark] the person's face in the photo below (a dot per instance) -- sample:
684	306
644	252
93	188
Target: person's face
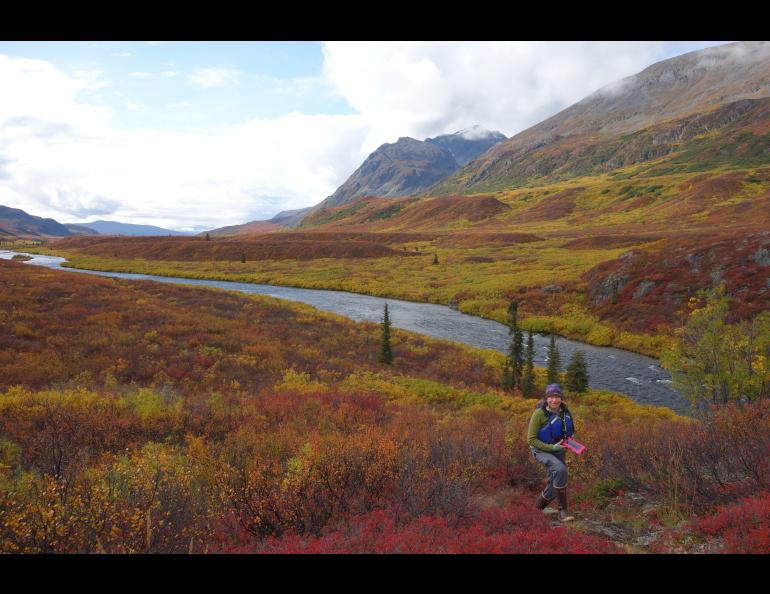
554	401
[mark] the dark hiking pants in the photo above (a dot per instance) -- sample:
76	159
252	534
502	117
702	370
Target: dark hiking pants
556	467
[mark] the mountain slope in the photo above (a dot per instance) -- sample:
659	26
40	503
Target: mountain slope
398	169
14	222
290	218
80	230
660	111
117	228
251	227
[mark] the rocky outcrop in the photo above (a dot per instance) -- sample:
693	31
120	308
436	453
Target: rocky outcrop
642	289
762	256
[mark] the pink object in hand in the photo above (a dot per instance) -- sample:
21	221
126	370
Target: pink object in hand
573	445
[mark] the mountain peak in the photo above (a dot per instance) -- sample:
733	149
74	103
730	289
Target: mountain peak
477	132
467	144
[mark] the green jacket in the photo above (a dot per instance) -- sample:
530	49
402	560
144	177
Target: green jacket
537	422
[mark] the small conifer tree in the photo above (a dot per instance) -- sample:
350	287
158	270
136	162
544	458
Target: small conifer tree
243	258
386	354
528	379
577	373
435	258
506	380
208	237
514	363
554	361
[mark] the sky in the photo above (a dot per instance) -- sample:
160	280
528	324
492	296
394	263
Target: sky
192	136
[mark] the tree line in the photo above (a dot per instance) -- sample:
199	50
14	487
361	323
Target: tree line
518	369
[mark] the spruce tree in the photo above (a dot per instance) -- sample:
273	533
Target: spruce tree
577	373
515	361
385	355
507	379
435	258
554	361
208	237
528	380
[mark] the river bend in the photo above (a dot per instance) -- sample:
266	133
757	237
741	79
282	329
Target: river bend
629	373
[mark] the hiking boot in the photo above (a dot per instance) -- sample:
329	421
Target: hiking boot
542	502
561	495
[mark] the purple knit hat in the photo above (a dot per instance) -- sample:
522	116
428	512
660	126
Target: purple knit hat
553	389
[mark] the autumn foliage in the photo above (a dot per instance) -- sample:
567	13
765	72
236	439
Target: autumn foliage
517	529
144	417
260	247
742	527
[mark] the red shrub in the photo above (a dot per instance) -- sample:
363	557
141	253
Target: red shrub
517	529
743	526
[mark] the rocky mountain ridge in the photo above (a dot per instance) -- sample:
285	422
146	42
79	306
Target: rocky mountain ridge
409	166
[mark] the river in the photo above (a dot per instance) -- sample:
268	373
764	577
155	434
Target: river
621	371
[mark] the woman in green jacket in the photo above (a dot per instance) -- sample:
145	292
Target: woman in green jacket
551	422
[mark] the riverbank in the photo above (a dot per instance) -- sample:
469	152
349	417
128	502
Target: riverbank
611	369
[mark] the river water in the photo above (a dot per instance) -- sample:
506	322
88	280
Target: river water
631	374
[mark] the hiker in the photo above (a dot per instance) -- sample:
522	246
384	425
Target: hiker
550	423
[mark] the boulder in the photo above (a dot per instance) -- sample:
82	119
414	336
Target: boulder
551	289
643	288
762	256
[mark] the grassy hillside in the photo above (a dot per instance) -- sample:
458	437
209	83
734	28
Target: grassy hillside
735	135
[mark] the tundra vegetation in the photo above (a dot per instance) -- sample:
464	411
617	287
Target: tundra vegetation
610	258
144	417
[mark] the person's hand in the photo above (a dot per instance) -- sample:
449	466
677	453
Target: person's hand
557	447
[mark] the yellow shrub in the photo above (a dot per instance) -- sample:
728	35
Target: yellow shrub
600	335
297	381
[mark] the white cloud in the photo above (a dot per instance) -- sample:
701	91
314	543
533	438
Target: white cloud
65	157
426	89
208	78
37	90
300	86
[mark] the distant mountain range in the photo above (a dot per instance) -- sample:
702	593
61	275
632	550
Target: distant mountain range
116	228
14	222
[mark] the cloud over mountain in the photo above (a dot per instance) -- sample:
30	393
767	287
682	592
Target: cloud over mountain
63	149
